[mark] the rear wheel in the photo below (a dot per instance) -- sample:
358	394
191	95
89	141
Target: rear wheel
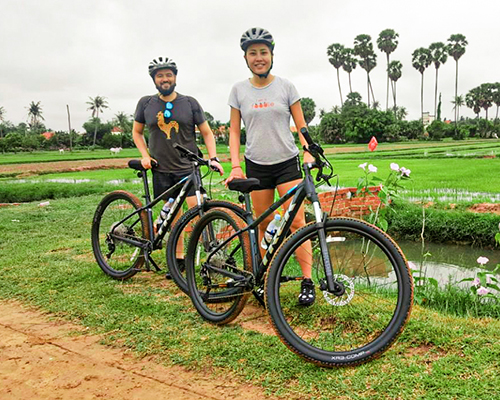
219	280
364	315
179	237
117	258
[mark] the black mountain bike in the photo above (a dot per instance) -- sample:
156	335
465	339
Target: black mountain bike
123	237
363	282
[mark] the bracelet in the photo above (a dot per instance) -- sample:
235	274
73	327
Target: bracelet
237	166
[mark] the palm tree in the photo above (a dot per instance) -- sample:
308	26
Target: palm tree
349	64
472	100
421	59
97	105
394	71
486	97
456	49
439	56
336	56
309	108
496	97
457	103
2	118
123	122
363	48
387	42
34	114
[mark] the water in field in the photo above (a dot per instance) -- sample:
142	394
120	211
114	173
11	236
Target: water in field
449	195
448	263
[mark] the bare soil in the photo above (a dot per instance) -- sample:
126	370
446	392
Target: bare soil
62	166
45	358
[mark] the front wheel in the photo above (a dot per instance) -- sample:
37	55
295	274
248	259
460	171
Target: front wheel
364	315
116	257
178	239
218	269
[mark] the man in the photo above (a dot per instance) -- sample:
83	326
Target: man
171	118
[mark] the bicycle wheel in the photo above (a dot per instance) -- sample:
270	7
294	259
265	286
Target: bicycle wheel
223	274
178	240
116	258
367	312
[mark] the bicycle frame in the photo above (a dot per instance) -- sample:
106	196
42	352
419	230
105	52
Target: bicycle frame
154	242
299	192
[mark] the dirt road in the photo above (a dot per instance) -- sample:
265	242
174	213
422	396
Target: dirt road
43	358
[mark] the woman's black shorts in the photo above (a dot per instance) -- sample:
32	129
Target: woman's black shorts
273	175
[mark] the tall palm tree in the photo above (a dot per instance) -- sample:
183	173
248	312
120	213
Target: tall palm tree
421	59
457	103
349	64
456	49
486	97
439	56
97	105
394	71
123	121
336	56
34	114
363	48
387	42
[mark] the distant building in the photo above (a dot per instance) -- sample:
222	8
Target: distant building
116	130
47	135
427	119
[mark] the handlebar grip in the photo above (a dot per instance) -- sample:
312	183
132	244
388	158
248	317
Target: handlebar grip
306	135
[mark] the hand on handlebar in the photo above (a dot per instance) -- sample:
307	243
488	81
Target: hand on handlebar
215	166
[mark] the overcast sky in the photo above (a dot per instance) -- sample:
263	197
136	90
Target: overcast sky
63	52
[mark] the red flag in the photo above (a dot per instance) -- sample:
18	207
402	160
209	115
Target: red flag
372	145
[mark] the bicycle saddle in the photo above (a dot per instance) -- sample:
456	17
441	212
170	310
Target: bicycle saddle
244	185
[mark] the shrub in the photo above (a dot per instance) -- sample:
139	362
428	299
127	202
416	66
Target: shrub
443	226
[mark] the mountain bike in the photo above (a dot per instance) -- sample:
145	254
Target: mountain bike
123	236
365	285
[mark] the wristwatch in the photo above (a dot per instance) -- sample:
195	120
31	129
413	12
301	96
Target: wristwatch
215	159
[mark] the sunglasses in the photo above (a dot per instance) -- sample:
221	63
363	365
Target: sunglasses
168	107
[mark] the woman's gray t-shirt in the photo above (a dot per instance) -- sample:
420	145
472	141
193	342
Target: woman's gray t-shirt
266	114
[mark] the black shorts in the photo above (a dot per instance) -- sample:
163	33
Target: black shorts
165	180
273	175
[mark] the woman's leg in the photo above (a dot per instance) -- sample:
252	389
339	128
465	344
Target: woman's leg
304	252
261	201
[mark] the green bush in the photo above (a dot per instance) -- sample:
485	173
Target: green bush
443	226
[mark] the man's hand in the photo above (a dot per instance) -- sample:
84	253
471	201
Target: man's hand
146	162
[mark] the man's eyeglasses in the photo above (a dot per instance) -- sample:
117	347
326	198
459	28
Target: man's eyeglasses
168	107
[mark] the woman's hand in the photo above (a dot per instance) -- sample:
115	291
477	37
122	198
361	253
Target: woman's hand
236	173
308	158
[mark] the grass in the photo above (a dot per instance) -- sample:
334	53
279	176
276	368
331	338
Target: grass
47	262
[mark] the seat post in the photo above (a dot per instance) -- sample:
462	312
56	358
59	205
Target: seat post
144	176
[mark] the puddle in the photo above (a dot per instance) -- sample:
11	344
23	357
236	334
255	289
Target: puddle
449	263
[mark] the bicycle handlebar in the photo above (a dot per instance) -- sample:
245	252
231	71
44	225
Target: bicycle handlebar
193	157
318	153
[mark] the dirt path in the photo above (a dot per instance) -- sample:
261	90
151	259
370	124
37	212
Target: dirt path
42	358
62	166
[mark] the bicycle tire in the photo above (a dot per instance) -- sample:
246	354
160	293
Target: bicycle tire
345	328
234	256
182	231
117	259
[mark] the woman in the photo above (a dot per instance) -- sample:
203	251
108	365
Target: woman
265	103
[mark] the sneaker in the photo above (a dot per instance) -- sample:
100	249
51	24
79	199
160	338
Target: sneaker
180	264
307	294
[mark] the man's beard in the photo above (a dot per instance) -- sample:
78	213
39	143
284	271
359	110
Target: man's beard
166	92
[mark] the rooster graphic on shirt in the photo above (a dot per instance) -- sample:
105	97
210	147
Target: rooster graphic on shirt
166	127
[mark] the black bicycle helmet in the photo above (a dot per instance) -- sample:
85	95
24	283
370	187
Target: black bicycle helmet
256	35
162	64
